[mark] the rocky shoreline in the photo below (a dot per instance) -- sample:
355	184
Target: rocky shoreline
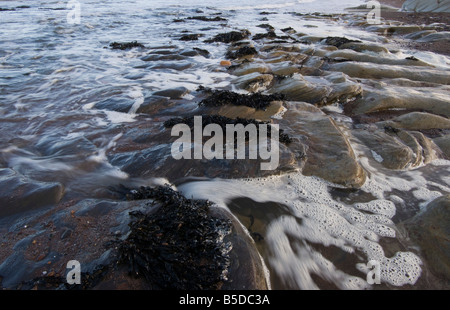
337	100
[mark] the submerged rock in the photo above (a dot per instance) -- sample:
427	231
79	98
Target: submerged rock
153	104
21	194
172	93
115	104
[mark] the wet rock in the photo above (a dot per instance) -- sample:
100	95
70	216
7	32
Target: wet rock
202	52
207	19
251	67
444	144
55	145
115	104
425	99
191	53
361	47
172	93
289	30
298	88
329	154
229	37
225	63
424	150
126	45
242	52
153	104
417	121
246	270
268	35
429	229
419	34
318	90
168	55
398	30
254	82
232	111
21	194
171	65
380	71
433	37
389	149
286	69
362	57
190	37
266	26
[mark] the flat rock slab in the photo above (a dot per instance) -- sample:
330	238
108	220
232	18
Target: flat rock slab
329	154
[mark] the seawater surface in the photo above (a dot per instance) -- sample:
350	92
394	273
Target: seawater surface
55	76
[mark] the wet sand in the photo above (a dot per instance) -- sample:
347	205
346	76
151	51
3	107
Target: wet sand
421	18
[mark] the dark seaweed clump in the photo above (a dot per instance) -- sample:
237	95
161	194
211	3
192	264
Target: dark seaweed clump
338	41
269	35
229	37
222	121
180	246
125	46
254	100
208	19
243	51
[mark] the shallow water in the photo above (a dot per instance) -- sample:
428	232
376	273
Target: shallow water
53	74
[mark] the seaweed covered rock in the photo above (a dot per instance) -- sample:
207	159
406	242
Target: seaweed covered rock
178	246
125	45
184	244
338	41
221	97
242	52
229	37
207	19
